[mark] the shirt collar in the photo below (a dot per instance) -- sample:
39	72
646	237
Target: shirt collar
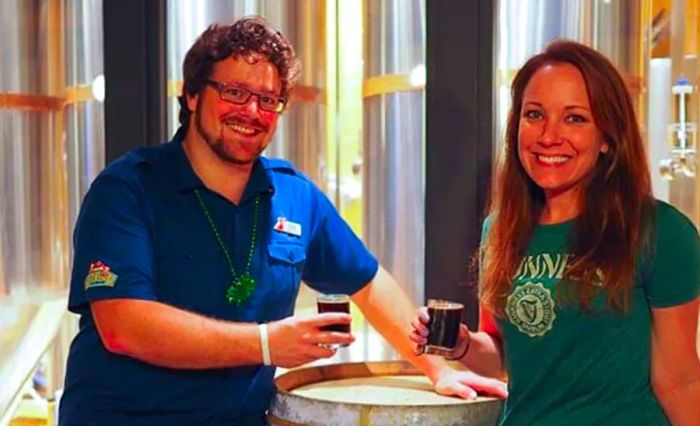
259	182
187	180
181	169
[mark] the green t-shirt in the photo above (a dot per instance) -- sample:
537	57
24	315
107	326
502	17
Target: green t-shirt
569	367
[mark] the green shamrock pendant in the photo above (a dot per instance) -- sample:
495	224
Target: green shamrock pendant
240	289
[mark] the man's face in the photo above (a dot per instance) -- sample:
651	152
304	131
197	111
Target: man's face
237	133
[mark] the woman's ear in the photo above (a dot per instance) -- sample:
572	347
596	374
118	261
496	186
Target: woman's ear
192	102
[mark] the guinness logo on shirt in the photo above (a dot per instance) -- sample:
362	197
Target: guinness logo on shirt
530	308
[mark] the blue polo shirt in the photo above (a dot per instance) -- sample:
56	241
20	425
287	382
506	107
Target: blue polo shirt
141	234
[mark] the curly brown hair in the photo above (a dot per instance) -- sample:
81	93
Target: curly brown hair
246	36
617	212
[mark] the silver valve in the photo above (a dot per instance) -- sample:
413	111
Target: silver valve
682	136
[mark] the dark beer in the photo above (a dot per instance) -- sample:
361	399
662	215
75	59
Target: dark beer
334	303
445	319
335	306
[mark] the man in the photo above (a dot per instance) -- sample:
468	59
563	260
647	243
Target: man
189	255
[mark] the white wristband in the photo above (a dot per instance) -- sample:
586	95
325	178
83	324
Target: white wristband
264	344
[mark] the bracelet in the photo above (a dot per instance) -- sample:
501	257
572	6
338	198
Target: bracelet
264	344
469	342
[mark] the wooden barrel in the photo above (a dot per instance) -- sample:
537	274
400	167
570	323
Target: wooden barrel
371	394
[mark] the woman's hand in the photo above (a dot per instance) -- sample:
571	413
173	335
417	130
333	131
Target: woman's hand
466	384
419	334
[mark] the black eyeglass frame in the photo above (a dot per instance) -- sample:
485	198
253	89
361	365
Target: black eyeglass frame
280	101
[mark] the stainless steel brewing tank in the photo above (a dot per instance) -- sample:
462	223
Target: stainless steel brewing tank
394	143
616	29
291	408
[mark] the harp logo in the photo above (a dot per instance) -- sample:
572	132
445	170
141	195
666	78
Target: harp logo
530	308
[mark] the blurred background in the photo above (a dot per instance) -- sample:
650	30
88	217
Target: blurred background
398	117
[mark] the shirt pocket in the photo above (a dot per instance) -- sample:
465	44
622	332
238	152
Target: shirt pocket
286	264
287	253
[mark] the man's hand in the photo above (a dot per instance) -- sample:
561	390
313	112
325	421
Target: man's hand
296	341
466	384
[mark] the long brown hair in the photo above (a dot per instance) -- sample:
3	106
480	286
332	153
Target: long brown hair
617	202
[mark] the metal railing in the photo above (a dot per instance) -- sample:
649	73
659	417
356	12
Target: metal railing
27	331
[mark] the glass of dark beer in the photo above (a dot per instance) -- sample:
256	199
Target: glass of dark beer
445	318
334	303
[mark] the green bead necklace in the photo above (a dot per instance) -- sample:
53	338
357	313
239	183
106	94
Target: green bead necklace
242	286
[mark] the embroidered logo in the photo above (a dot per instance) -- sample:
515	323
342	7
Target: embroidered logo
99	275
531	309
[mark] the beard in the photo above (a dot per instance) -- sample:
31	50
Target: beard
218	145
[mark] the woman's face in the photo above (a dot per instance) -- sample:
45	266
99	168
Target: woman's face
558	142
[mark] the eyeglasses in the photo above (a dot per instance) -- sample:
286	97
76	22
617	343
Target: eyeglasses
240	96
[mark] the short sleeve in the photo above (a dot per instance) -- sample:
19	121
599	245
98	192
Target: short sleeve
337	260
113	248
674	273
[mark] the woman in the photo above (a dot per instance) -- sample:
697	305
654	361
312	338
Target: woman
589	287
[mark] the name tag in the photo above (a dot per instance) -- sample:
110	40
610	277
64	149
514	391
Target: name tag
288	227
